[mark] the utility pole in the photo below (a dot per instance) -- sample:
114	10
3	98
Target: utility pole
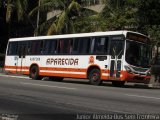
38	14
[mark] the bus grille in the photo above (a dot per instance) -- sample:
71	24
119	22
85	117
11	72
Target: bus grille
138	69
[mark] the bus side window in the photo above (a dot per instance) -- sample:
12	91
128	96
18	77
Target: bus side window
33	47
65	46
41	48
84	45
60	46
50	47
75	46
69	45
37	47
92	45
22	48
46	47
29	47
70	48
13	48
99	45
53	47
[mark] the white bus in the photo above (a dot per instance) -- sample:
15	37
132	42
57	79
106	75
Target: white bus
116	56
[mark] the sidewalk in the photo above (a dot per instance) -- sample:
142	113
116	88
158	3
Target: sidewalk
154	83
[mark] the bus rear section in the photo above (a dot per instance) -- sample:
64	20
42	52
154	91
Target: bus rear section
100	56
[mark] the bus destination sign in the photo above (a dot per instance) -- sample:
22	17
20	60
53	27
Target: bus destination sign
136	37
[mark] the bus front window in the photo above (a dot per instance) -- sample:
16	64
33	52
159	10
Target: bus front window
137	54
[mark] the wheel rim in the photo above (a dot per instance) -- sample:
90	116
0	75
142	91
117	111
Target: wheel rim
95	77
33	73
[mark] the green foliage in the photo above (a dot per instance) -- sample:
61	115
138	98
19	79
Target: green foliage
69	12
72	16
19	6
149	19
119	14
138	15
154	32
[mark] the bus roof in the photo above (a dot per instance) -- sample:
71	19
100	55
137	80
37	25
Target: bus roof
124	32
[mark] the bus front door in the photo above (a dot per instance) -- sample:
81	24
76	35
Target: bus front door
116	53
22	47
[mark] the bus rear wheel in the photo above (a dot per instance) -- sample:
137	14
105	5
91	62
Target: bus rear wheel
118	83
95	77
34	73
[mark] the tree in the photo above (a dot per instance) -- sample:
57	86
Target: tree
153	31
141	15
149	19
119	14
18	6
69	12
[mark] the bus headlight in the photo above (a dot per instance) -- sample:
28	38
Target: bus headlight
128	69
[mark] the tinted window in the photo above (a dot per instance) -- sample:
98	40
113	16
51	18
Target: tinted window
138	54
84	45
12	49
50	47
75	46
99	45
22	48
117	46
65	46
37	47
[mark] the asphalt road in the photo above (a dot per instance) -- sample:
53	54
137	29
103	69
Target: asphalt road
72	99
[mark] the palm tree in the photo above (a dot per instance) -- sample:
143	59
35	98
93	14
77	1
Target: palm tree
69	12
19	6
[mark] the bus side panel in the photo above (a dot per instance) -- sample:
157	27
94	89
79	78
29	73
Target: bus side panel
10	64
62	66
67	66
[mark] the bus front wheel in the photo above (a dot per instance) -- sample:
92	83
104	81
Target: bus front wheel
95	77
34	73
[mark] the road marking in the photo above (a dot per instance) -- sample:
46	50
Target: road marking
148	97
47	86
15	76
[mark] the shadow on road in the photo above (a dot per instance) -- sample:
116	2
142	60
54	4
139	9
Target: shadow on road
106	84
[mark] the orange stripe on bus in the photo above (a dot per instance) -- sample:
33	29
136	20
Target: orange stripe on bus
63	69
50	69
55	69
62	75
17	67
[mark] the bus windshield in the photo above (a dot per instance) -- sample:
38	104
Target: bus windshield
138	54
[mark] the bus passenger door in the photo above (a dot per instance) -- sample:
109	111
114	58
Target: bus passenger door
116	53
22	50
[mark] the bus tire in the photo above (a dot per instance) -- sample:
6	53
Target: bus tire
34	73
95	77
118	83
